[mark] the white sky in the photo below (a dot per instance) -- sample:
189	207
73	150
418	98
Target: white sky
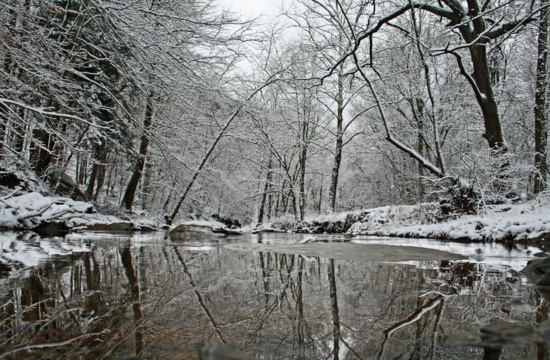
252	8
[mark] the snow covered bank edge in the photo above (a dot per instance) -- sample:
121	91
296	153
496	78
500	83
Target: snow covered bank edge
527	222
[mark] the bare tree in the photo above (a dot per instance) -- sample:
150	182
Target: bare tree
541	131
131	188
474	27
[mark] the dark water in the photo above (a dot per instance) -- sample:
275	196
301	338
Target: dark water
101	296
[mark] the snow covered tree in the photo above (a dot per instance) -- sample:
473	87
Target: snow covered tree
61	82
186	62
470	29
77	78
328	40
541	123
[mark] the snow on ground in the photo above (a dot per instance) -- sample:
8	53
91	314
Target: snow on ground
478	228
31	209
202	223
526	221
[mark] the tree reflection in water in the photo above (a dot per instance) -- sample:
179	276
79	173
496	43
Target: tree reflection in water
164	300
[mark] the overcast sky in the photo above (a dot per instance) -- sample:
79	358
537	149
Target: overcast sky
252	8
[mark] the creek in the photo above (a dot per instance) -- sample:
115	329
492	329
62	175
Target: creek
103	296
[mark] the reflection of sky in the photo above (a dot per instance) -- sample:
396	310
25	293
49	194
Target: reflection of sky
265	297
28	252
493	254
489	253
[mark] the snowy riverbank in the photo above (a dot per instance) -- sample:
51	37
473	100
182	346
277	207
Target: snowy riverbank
55	215
526	222
495	226
529	221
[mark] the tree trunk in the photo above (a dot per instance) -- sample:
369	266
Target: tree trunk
130	193
168	199
41	152
294	202
269	197
3	128
283	200
146	184
264	194
81	169
91	182
486	100
339	144
302	195
418	110
18	131
320	205
302	175
96	168
480	81
101	170
541	131
278	202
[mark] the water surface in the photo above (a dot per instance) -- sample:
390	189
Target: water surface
101	296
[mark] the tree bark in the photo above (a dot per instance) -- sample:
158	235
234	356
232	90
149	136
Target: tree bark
101	171
302	175
480	80
3	129
146	184
264	193
18	131
81	169
541	132
99	151
130	193
418	110
41	152
486	99
339	144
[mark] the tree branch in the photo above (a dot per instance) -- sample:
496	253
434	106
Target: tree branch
411	152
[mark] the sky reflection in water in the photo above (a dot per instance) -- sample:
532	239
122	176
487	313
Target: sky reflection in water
116	294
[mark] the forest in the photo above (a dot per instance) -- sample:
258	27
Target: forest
180	109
